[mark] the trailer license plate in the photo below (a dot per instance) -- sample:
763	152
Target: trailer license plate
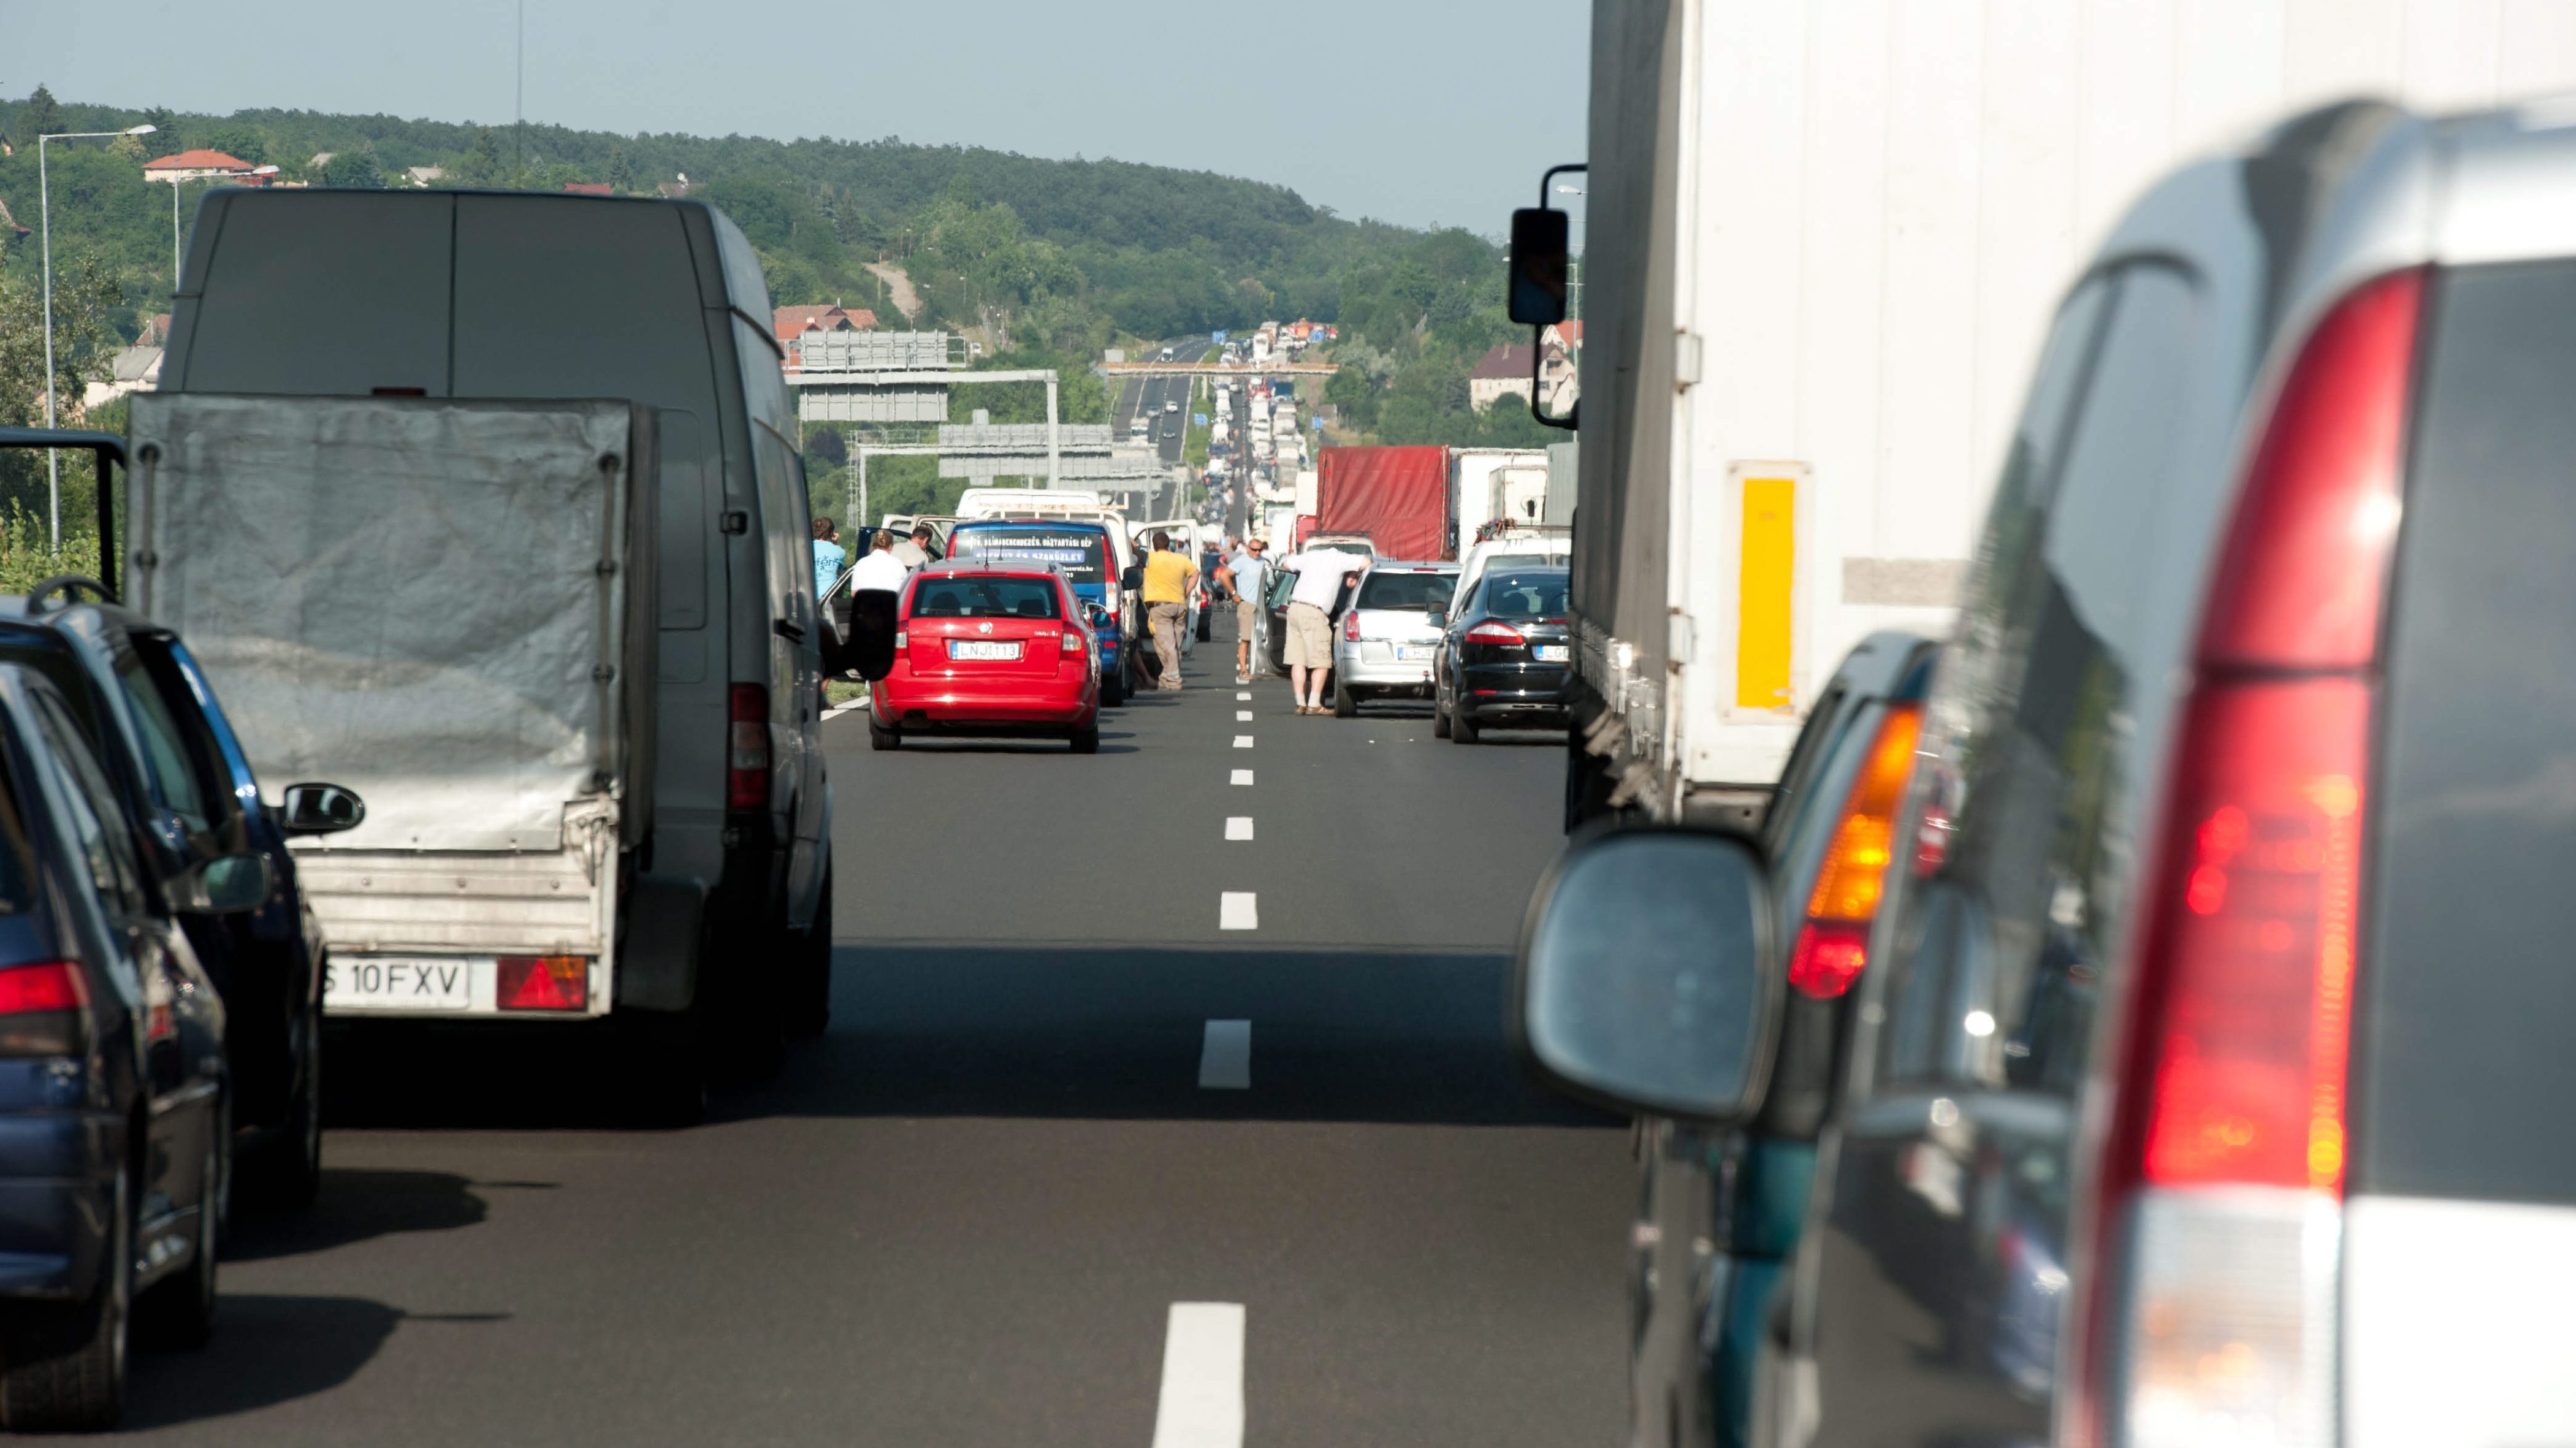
390	983
981	649
1551	653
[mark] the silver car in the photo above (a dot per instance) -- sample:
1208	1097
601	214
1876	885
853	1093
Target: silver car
1388	639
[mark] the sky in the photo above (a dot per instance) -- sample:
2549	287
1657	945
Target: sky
1411	111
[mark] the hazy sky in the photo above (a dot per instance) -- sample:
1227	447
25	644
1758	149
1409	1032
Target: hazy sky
1409	110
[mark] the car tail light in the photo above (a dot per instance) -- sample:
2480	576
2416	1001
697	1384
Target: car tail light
902	638
1495	633
1071	640
543	983
747	760
2216	1215
43	1009
1351	625
1833	945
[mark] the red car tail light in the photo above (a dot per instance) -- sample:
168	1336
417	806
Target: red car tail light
1833	945
543	983
43	1007
1495	633
747	757
1351	624
1071	640
2216	1215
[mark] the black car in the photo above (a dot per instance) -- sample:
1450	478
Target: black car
1506	657
148	712
115	1147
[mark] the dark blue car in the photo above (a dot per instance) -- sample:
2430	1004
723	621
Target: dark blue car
115	1138
1082	552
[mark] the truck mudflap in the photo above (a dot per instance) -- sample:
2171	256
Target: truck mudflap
657	959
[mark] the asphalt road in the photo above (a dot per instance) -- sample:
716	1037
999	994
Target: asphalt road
966	1215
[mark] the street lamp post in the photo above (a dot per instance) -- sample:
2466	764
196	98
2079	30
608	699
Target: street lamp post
45	214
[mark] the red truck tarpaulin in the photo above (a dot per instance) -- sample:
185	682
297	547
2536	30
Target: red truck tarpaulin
1399	496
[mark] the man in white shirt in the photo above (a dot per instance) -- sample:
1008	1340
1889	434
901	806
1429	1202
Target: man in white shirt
1310	630
1243	572
881	571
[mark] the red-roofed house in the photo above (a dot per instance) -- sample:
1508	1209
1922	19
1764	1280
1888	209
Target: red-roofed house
195	166
790	324
590	188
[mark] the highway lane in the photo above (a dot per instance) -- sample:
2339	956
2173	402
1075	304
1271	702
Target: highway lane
966	1214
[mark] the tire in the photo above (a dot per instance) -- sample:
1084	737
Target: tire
809	987
179	1310
1087	741
66	1373
1346	705
291	1175
1439	718
880	736
1113	687
663	1066
1462	728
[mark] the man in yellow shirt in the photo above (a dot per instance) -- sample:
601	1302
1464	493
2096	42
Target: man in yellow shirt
1167	596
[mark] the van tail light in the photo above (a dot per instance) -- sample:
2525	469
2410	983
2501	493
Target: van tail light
747	757
1833	944
542	983
2215	1219
44	1009
1351	624
1495	633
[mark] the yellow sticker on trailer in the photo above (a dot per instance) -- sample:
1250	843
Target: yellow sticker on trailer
1765	570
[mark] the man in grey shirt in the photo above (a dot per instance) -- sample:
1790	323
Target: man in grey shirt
1244	573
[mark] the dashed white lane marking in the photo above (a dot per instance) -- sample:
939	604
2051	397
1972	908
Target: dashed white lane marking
1243	741
1237	910
1202	1399
1238	827
1242	716
1225	1056
1241	776
1243	696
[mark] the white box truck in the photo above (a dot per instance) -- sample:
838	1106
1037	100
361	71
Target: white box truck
1822	245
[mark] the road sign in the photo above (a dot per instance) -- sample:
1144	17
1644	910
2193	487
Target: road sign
1198	419
1216	338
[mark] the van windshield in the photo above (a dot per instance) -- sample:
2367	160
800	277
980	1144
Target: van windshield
1080	552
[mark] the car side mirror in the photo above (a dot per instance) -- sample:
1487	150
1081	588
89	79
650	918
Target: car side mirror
1538	270
319	809
227	885
1438	618
1647	981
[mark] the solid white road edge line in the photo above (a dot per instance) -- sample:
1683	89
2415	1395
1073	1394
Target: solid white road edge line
1243	741
1241	776
1225	1056
1238	827
1237	910
1202	1399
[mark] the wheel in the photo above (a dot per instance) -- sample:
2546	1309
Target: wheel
292	1173
1087	741
882	736
66	1373
179	1310
663	1065
1439	718
1345	704
809	983
1462	727
1113	687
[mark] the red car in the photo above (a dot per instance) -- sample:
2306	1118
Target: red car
989	648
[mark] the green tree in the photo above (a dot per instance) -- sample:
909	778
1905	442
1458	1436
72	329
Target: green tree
241	142
353	168
40	116
621	170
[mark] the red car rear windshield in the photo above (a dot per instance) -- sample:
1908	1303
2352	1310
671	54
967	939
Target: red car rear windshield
982	596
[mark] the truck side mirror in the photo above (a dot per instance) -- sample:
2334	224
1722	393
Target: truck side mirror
1538	270
1647	979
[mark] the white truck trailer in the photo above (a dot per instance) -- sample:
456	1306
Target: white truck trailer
1824	241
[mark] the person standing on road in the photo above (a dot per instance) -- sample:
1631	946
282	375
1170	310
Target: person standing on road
1167	592
1310	629
828	556
914	551
1244	574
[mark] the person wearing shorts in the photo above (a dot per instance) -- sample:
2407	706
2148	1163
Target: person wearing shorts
1310	629
1244	574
